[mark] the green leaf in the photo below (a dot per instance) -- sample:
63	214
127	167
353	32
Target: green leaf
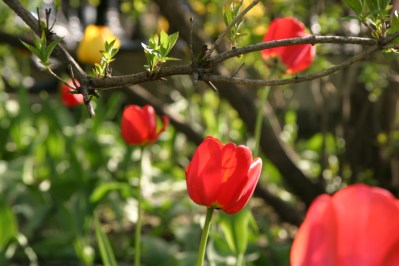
36	42
57	4
43	40
172	40
31	48
355	5
106	252
170	59
373	5
227	15
394	22
103	189
164	43
383	4
235	228
51	46
8	222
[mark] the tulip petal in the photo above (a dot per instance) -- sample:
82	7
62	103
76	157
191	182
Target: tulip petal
70	99
245	192
315	243
295	57
150	118
203	174
368	222
165	123
236	162
134	125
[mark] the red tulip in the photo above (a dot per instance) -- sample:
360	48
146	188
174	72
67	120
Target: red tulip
295	57
358	226
139	125
222	176
70	99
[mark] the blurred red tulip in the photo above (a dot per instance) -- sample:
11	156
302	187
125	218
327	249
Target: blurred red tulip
222	176
139	125
70	99
357	226
295	57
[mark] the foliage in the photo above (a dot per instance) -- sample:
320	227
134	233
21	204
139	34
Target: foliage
374	14
230	12
107	56
158	49
41	49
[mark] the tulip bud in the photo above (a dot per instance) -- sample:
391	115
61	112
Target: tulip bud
139	125
295	57
222	176
70	99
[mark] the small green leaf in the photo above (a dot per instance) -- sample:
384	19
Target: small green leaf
51	46
172	40
164	43
383	4
394	22
106	252
373	5
57	4
8	228
355	5
31	48
227	16
114	51
170	59
43	40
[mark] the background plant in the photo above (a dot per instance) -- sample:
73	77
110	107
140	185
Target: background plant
57	166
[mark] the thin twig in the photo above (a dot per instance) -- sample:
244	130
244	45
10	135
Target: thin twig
59	51
132	79
261	82
227	29
292	41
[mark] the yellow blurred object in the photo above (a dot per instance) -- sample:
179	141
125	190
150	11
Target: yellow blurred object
93	42
162	24
256	12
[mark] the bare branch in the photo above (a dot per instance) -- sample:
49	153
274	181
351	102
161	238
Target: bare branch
296	79
132	79
292	41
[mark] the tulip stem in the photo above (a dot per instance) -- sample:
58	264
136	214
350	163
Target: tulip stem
137	246
240	259
259	117
204	237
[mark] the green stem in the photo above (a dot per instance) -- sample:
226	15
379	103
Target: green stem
259	118
137	246
240	259
204	237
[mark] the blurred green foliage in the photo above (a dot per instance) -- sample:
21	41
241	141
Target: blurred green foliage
61	171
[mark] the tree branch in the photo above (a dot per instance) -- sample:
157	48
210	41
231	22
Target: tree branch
132	79
59	51
313	40
296	79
